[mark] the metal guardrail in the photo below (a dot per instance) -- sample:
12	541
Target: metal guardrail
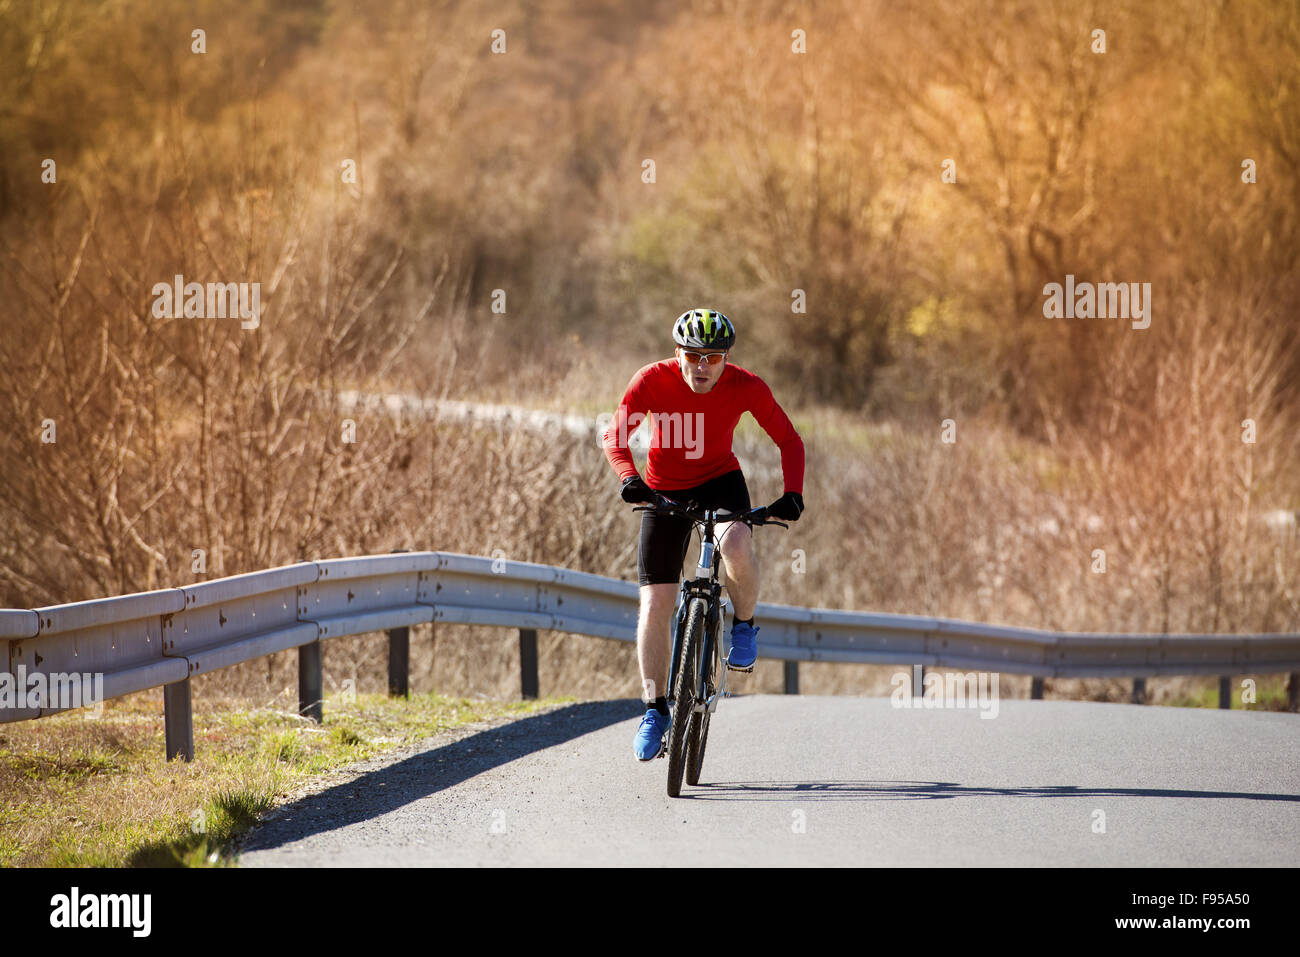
166	637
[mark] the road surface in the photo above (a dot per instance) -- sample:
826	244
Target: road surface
820	781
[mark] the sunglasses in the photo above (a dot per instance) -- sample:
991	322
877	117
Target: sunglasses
695	358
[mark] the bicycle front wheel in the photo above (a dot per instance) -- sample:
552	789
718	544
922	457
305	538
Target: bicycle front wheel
698	734
684	697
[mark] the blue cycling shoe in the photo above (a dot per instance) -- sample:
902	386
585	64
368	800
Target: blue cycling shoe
649	740
744	647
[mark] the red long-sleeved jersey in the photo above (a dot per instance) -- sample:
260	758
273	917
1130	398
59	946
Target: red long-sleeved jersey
690	438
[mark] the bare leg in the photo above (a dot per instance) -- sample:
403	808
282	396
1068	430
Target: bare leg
652	649
741	565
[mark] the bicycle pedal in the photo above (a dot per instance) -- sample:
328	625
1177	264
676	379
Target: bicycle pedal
744	671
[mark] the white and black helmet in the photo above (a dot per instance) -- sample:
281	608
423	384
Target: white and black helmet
704	329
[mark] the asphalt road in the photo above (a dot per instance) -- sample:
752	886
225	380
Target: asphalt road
818	781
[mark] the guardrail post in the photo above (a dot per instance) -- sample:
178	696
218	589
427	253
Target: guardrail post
1139	691
1293	691
178	719
918	681
1036	688
399	662
528	662
310	682
1225	691
433	654
792	677
399	655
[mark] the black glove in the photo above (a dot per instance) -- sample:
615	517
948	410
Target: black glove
635	490
789	507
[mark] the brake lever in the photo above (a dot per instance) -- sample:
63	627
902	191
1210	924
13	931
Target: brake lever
661	501
759	517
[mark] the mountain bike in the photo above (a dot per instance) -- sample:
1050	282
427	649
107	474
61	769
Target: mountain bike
696	677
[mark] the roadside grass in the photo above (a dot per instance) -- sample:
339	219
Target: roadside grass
81	792
1270	694
1175	691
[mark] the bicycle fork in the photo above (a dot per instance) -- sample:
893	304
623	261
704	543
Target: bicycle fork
712	635
714	631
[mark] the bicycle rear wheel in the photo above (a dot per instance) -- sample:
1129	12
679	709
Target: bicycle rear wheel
698	734
684	697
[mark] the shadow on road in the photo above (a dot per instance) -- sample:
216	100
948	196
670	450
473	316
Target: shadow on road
388	788
916	790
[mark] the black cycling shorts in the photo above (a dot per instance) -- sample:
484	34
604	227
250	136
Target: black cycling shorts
665	538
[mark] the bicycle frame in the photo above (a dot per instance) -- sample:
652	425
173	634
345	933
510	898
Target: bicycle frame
705	586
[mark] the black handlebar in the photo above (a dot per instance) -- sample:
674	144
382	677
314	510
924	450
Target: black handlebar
665	506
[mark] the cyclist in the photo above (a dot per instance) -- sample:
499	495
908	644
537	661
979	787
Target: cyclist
694	401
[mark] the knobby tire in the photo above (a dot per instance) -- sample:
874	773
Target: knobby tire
697	736
684	698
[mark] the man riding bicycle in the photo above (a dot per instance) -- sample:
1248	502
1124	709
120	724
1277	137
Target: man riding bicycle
694	401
